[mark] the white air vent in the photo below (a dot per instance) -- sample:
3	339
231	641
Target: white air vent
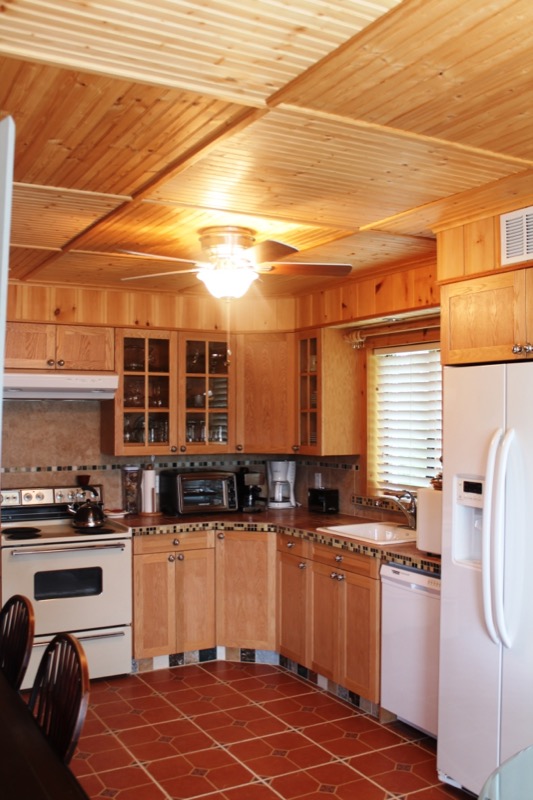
516	231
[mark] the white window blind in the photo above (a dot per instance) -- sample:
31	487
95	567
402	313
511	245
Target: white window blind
405	417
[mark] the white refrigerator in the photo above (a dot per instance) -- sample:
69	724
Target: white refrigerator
486	643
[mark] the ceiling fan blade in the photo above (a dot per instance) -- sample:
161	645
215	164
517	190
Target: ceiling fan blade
154	257
159	274
270	250
301	269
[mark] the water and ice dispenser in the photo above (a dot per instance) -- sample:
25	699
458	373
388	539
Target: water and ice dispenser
468	518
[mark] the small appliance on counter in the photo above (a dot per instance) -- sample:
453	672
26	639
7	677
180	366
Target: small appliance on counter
249	490
281	476
429	521
323	501
197	492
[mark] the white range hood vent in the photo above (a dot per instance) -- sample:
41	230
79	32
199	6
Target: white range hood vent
516	235
59	386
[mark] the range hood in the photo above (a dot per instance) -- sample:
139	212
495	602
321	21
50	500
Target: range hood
57	385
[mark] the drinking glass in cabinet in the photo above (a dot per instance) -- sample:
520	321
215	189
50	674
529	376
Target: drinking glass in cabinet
158	428
195	357
158	392
134	350
133	428
195	428
158	355
218	393
195	392
133	391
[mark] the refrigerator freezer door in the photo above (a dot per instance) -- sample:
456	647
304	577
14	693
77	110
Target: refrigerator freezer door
470	662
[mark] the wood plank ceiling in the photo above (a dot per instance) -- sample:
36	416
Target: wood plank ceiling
350	130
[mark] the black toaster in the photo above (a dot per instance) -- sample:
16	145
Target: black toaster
325	501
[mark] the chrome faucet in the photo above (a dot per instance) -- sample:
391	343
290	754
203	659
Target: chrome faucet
406	502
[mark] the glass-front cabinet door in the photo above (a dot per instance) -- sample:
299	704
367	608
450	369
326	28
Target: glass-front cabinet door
145	409
206	393
308	394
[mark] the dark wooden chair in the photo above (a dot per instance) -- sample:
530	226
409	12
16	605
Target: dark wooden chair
17	624
60	693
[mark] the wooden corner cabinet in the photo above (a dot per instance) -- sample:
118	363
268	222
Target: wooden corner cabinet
66	347
174	593
142	420
488	318
327	383
265	393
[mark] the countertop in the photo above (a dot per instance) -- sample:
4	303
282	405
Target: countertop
296	522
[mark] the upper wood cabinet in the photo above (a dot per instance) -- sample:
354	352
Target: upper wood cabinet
265	418
488	319
142	419
40	346
327	422
206	393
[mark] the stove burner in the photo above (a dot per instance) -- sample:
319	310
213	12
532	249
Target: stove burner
22	533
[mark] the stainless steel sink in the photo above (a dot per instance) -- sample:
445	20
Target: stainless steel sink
376	532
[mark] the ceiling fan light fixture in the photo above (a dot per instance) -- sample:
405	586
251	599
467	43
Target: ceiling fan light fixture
227	281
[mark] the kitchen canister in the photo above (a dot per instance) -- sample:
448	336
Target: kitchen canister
148	492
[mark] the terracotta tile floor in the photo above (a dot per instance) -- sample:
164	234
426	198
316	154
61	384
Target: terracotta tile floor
236	731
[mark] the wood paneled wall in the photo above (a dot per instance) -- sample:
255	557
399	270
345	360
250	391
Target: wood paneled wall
413	288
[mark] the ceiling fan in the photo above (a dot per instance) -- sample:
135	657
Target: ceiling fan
233	261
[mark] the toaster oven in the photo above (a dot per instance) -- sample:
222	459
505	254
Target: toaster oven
197	492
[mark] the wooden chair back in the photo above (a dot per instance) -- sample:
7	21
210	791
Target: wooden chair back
60	693
17	624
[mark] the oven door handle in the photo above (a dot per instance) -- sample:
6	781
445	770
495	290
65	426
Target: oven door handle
26	551
82	638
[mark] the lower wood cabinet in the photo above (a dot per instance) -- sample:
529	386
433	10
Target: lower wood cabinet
246	589
174	593
345	620
294	599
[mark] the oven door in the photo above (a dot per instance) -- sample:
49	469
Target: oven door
73	586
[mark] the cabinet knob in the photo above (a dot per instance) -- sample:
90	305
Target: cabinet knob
302	565
334	575
172	557
173	449
528	348
60	363
220	536
517	348
296	447
338	559
341	577
290	545
180	557
183	449
175	542
239	448
51	362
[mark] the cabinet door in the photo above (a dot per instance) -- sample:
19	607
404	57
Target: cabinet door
325	623
246	589
142	419
195	600
359	665
265	393
154	605
294	594
206	393
30	346
483	318
85	348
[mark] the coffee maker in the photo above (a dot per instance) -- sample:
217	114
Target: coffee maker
281	476
249	490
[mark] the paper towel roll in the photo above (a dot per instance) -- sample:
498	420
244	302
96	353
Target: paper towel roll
429	520
148	491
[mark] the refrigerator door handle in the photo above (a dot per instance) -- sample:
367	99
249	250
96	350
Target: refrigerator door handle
498	526
486	537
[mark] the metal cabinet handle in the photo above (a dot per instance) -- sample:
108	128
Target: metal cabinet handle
220	536
528	348
175	542
239	448
517	349
172	557
60	363
173	449
296	447
51	362
183	449
180	557
341	577
290	545
339	558
302	565
333	575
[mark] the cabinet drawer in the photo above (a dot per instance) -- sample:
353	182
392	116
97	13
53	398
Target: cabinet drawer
294	545
163	542
352	562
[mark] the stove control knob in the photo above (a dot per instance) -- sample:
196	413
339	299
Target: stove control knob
39	497
27	497
59	496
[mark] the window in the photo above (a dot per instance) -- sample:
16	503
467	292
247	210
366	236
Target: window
404	417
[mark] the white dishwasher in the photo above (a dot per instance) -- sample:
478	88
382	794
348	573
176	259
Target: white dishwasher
410	623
